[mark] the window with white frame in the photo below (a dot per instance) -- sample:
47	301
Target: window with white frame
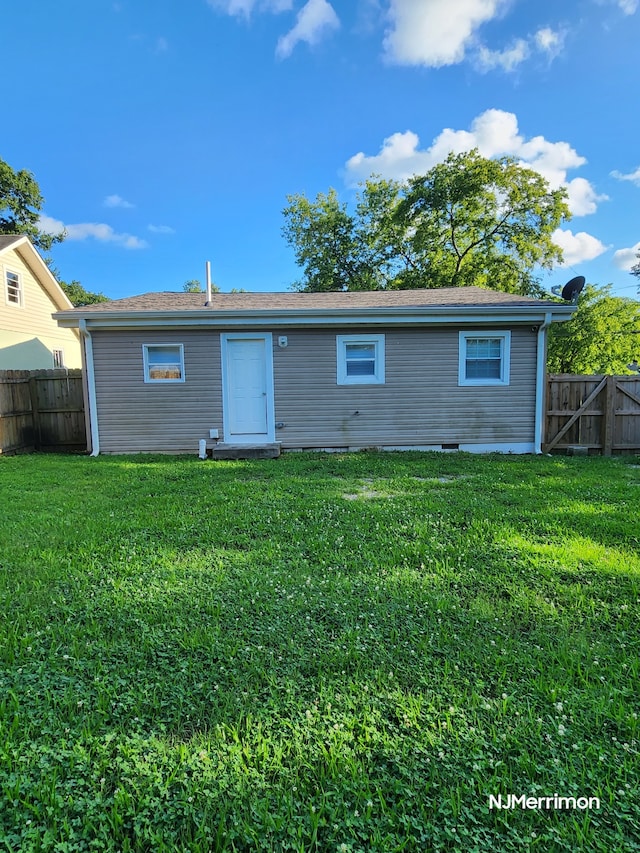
484	358
58	358
163	362
360	359
13	288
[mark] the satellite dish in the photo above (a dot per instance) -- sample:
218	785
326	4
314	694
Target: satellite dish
557	290
572	288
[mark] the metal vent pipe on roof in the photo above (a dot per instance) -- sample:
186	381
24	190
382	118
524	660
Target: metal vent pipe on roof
208	279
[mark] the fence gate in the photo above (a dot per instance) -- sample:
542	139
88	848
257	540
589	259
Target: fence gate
599	413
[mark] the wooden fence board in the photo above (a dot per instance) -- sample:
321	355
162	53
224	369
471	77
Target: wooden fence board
42	410
599	413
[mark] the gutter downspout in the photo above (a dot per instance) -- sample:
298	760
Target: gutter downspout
91	386
541	358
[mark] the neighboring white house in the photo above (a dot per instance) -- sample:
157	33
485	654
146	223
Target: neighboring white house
30	339
452	368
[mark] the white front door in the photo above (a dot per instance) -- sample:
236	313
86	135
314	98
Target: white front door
247	388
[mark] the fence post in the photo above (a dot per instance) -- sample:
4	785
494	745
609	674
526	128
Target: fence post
35	412
609	418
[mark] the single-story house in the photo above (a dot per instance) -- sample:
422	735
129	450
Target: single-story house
30	339
455	368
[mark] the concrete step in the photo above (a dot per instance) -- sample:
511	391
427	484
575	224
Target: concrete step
219	450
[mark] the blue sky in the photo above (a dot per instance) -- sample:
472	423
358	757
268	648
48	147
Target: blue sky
166	134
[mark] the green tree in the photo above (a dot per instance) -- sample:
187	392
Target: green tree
468	221
322	234
20	206
484	222
370	249
79	296
603	336
194	286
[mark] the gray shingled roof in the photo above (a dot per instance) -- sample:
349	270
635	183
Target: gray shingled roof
7	240
445	297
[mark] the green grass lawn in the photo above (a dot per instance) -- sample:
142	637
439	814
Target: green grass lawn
318	653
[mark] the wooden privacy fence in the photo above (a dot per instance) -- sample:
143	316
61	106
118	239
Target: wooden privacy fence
598	413
42	410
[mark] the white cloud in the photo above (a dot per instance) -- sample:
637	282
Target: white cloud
550	159
494	133
246	7
116	201
399	158
50	225
634	177
546	41
550	41
315	19
507	59
577	247
162	44
83	230
161	229
583	199
624	259
628	6
435	32
443	32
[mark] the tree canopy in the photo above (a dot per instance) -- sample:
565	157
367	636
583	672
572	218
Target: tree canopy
78	296
20	204
603	336
468	221
194	286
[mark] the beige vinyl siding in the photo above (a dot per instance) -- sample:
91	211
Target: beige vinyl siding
28	333
420	402
135	416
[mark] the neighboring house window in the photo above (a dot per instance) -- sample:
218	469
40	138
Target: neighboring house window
58	358
163	362
360	359
14	292
484	358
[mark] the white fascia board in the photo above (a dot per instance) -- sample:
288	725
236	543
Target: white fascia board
338	317
41	272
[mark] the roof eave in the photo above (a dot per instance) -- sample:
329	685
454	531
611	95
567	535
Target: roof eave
536	313
46	278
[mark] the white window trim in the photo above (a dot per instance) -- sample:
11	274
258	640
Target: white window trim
62	361
505	359
145	358
10	302
378	377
